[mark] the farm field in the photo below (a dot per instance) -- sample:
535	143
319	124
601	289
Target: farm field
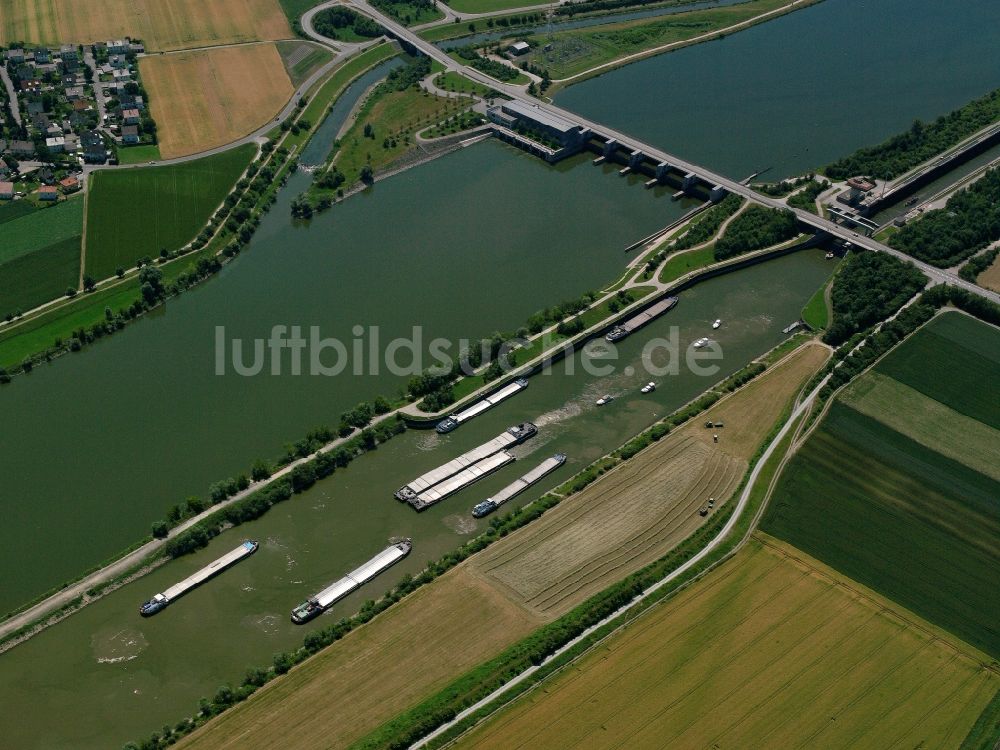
930	423
39	254
38	277
302	59
135	212
239	89
376	671
990	278
161	24
949	360
772	650
880	494
637	512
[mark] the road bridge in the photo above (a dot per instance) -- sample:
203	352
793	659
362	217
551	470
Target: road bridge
629	144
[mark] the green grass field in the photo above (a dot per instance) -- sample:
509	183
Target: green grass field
33	279
137	212
898	517
685	262
816	313
138	154
302	59
489	6
953	359
577	51
32	229
11	210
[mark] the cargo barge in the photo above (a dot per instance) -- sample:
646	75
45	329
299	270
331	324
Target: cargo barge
461	480
452	422
159	601
518	486
508	438
632	325
319	603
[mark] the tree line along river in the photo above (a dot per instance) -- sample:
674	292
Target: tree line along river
97	445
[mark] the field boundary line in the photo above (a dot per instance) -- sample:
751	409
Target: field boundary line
878	601
700	555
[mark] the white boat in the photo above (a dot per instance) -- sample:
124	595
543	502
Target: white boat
648	388
700	343
716	324
606	399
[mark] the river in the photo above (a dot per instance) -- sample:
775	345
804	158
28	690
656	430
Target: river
99	444
798	92
116	676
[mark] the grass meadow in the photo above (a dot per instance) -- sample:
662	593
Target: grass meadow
137	212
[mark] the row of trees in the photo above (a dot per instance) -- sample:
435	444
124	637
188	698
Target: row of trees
869	287
754	229
969	221
922	141
971	270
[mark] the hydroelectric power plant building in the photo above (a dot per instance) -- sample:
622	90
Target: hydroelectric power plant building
547	135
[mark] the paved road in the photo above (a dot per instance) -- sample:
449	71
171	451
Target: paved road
716	541
629	143
15	108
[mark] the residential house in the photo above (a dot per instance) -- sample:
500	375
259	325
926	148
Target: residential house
121	77
130	116
94	151
69	184
55	144
48	193
72	142
70	57
118	62
73	93
116	47
16	56
43	55
132	101
22	148
6	191
45	175
137	48
130	134
35	107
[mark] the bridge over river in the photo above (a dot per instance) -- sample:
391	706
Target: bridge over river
644	151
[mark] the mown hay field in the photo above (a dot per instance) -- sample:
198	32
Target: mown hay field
875	494
773	650
132	213
376	671
207	98
161	24
637	512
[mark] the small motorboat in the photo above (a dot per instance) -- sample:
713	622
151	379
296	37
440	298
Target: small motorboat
716	324
829	256
700	343
648	388
605	399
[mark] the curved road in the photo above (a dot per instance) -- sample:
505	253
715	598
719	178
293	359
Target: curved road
629	143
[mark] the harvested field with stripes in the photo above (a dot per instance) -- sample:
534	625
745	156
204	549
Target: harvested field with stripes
161	24
239	90
773	650
640	510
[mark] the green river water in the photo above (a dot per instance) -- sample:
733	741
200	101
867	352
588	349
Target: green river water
97	445
114	675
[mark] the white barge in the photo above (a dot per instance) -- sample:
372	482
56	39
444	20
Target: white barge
508	438
159	601
634	324
354	580
461	480
452	422
519	485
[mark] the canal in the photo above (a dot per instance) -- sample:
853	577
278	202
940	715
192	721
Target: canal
107	439
115	676
795	93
